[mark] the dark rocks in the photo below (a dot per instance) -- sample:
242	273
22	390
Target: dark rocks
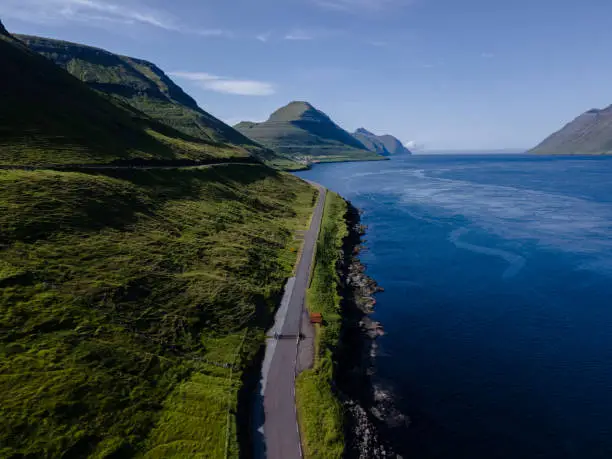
368	408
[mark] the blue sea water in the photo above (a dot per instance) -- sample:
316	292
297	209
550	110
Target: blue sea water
498	301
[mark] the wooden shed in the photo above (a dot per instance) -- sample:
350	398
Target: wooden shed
316	318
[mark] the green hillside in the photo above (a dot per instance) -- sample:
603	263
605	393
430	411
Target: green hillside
301	131
130	304
49	117
590	133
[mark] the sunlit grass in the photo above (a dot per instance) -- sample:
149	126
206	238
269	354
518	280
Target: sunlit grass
127	299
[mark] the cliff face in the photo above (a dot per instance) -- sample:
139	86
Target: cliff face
371	421
590	133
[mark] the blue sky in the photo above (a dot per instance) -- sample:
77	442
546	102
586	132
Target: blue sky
446	74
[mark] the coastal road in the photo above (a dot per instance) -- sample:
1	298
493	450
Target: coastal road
291	326
280	432
102	167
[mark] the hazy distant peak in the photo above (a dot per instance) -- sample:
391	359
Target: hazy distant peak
590	133
385	145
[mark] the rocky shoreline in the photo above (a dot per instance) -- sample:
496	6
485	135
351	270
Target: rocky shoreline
369	408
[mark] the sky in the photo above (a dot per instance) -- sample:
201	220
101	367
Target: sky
439	74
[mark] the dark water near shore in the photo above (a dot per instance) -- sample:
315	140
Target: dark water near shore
498	302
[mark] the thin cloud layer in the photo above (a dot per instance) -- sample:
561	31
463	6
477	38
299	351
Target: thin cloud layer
360	5
227	85
299	35
97	12
320	33
264	37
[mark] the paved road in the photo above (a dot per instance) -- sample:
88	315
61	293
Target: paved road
101	167
280	431
291	326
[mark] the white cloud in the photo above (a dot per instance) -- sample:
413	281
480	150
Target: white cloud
360	5
97	12
227	85
299	34
487	55
264	37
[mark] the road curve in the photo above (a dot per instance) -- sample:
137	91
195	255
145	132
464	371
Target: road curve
280	431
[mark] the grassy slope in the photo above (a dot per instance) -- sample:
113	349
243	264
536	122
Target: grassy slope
299	130
49	117
126	299
320	413
147	88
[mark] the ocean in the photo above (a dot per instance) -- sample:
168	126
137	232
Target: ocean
497	307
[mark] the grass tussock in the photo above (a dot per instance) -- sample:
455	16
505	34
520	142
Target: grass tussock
130	301
320	413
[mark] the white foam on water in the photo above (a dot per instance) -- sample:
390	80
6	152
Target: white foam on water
516	262
552	220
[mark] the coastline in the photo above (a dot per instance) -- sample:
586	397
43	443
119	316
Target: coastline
368	408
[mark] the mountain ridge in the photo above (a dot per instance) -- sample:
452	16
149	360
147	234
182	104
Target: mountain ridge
48	116
144	86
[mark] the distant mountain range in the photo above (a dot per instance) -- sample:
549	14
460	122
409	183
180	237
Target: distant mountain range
145	87
385	145
590	133
302	131
297	131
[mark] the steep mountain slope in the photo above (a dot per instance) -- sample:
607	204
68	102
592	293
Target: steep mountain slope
142	85
385	145
590	133
302	131
49	117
